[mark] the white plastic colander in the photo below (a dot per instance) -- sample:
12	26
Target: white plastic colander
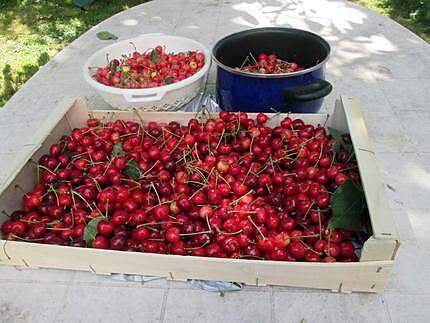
164	98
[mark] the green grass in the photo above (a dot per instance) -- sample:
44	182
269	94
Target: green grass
412	14
32	31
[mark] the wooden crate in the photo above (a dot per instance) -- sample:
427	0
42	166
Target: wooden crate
370	274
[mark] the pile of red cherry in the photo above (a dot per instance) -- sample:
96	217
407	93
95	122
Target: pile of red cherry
268	64
150	69
226	187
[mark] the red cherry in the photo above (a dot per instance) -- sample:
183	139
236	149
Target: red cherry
100	242
347	249
117	242
173	235
333	250
105	228
296	249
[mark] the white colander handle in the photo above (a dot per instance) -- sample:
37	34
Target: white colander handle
156	96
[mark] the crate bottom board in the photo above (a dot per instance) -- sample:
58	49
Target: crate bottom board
339	277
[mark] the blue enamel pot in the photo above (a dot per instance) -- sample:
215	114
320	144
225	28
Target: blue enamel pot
300	92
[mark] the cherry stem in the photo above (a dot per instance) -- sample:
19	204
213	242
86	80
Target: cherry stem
238	199
29	240
299	237
309	248
208	223
220	176
199	247
134	46
247	173
343	170
155	223
195	233
256	226
309	208
230	233
245	212
161	203
58	229
328	192
156	193
250	256
149	169
220	138
252	56
5	213
82	198
350	157
319	157
45	168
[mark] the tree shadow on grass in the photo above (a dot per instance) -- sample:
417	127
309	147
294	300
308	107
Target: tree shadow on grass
13	80
59	20
45	23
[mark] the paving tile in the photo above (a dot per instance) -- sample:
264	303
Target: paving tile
396	66
413	254
110	304
191	25
410	271
328	307
416	127
34	275
387	134
408	308
371	98
202	306
404	225
404	94
407	179
413	226
35	303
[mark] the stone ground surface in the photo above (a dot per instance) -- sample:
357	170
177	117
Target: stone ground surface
373	58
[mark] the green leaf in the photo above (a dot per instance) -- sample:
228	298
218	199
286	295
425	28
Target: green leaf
68	153
90	231
348	147
56	183
117	149
154	57
82	3
132	170
347	204
338	137
169	80
105	35
339	141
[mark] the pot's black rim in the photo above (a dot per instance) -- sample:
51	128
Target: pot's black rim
261	75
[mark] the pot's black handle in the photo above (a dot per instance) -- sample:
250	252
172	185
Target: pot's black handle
315	89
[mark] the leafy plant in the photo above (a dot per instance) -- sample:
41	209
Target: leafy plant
154	57
348	204
117	149
340	142
90	231
132	170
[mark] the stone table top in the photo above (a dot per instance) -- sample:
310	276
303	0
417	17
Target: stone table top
373	57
